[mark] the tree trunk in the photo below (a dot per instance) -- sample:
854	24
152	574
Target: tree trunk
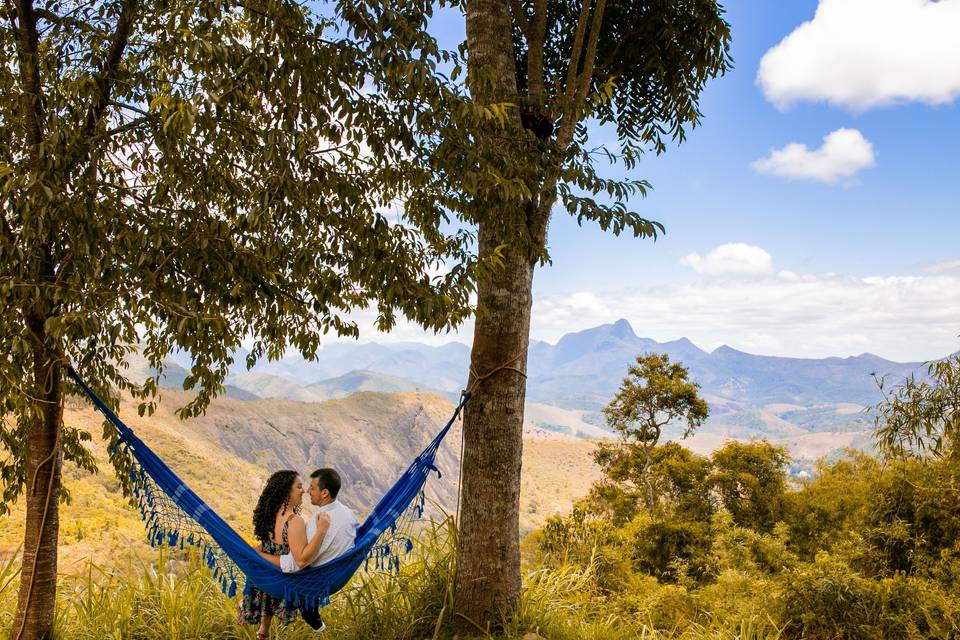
488	569
38	583
647	482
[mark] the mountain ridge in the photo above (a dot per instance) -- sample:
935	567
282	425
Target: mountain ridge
579	374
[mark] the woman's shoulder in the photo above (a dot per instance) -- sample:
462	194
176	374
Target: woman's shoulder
294	519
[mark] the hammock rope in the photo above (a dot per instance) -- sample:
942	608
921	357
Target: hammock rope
175	516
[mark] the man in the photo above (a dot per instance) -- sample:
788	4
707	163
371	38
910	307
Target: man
331	534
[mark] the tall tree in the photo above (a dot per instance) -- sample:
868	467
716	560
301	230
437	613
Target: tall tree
655	393
548	68
749	480
187	175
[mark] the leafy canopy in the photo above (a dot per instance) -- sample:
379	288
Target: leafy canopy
192	175
655	393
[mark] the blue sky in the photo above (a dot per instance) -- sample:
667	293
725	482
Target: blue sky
831	251
894	217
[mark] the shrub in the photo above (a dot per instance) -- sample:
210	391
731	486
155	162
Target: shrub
742	549
827	599
661	546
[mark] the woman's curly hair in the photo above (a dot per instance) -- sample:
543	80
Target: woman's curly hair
273	498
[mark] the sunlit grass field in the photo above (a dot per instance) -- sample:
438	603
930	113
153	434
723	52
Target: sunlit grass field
174	598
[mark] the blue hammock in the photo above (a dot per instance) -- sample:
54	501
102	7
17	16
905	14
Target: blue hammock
175	516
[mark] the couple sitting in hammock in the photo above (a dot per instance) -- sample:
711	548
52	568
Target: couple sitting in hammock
291	542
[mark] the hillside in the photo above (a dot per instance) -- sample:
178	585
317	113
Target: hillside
227	454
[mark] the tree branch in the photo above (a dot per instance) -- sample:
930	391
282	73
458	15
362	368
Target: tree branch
133	124
130	107
574	68
586	75
521	17
535	43
67	21
7	229
27	45
579	82
111	67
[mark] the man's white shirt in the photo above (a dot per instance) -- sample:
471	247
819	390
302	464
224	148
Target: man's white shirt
339	538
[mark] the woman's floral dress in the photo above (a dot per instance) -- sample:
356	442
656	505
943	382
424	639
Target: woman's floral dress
257	604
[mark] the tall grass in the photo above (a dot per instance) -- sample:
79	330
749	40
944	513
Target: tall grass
174	599
9	572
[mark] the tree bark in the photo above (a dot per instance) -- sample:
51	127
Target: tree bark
38	582
647	482
488	570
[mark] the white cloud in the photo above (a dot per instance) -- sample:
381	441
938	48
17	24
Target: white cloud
861	54
735	258
844	153
787	314
944	266
902	318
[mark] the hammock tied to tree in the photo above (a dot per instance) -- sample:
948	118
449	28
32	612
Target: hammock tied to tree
175	516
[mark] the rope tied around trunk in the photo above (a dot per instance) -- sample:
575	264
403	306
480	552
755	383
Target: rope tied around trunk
506	366
477	380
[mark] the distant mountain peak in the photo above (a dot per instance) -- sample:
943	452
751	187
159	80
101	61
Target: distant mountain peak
622	329
727	349
685	343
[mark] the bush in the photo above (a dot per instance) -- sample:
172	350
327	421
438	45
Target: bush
743	549
827	599
835	502
669	548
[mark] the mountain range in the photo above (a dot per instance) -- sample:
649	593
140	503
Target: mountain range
787	399
582	370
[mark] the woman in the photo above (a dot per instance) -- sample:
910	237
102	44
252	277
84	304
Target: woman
278	506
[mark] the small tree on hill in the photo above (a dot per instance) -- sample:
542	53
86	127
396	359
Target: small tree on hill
655	393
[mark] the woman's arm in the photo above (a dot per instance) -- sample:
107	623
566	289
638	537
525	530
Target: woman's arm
272	559
310	550
297	539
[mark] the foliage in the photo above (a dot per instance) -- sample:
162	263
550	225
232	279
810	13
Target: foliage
922	415
739	548
862	550
828	599
676	49
669	548
655	393
899	518
190	175
546	69
745	479
679	478
171	598
749	480
826	508
912	524
187	176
